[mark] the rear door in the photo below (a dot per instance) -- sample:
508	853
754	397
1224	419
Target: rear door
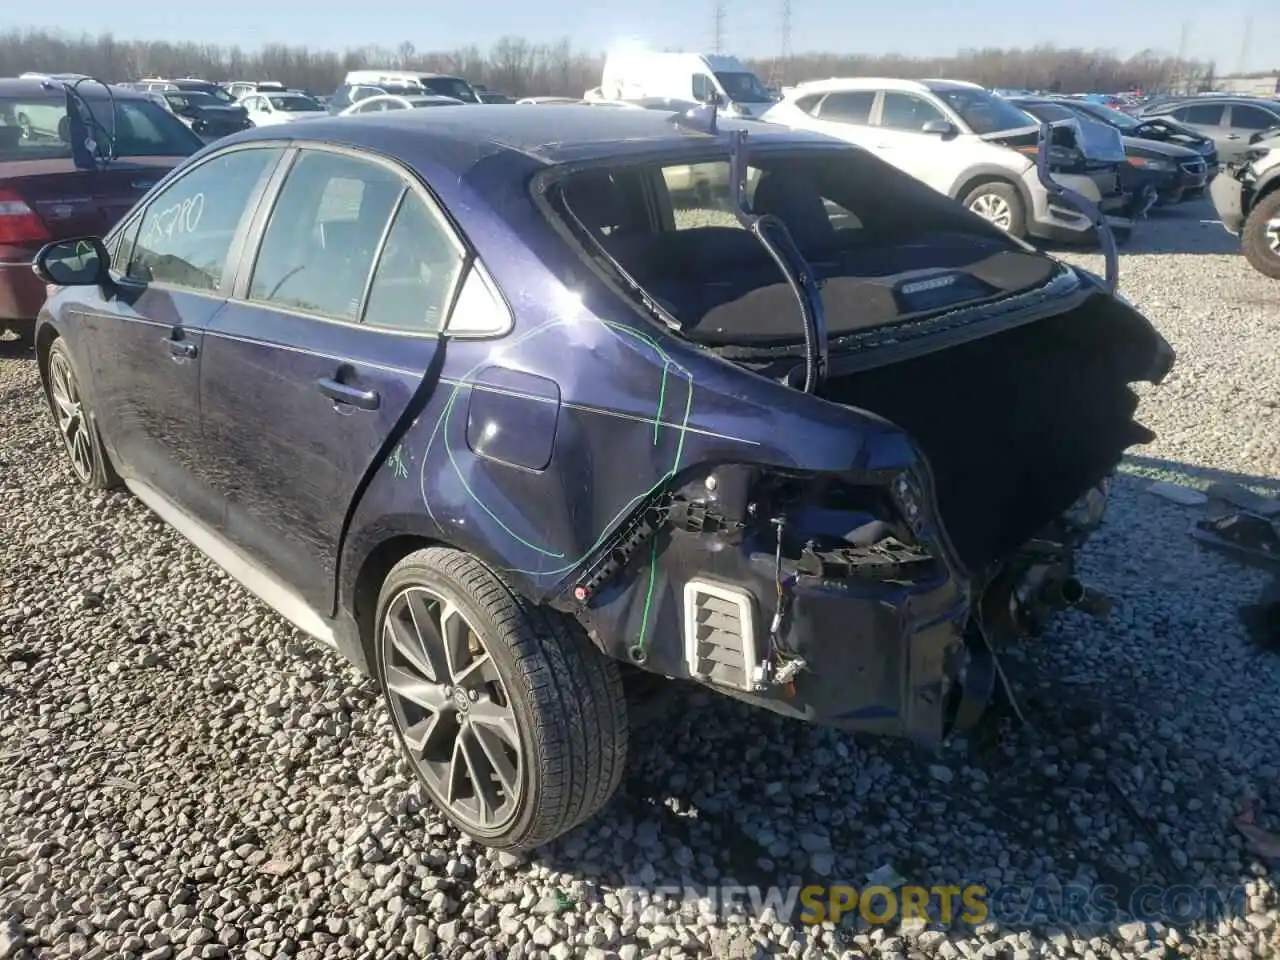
1208	119
326	343
173	262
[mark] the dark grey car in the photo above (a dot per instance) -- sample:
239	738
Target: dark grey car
1229	121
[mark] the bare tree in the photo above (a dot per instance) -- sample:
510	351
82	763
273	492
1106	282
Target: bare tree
518	67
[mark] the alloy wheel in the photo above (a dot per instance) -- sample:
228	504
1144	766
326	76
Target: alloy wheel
451	708
1273	236
69	411
993	207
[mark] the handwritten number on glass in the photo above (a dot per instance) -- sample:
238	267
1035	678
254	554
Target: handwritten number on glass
181	218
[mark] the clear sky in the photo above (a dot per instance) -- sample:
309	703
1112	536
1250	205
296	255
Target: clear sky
920	27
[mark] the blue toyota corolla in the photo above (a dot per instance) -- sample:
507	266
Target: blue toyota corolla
507	405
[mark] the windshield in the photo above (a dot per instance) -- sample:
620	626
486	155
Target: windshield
1113	118
294	104
38	129
454	87
1052	112
744	87
984	112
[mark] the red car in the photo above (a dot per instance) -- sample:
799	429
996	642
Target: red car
51	191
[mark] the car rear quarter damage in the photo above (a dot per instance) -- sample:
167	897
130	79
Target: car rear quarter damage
638	453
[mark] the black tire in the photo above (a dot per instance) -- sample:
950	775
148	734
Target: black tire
566	698
1008	195
1254	236
87	458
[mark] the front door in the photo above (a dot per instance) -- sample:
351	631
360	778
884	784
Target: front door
328	344
901	140
146	340
1243	122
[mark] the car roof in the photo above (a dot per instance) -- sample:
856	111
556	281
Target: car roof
458	138
91	90
881	83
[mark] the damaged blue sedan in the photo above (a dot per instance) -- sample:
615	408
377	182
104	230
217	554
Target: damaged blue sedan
508	405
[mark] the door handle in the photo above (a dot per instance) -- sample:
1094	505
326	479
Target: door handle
182	349
341	392
1233	136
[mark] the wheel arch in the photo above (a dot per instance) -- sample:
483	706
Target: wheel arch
1268	185
371	569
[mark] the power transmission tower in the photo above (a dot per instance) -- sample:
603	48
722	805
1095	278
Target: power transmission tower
1184	38
1245	42
786	40
717	18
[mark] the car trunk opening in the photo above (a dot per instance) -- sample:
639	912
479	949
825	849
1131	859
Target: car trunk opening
1017	425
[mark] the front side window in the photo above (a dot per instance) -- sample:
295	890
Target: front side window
742	86
185	235
703	88
848	106
320	242
1247	117
415	277
902	111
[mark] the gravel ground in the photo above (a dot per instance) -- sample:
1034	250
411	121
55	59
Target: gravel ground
182	774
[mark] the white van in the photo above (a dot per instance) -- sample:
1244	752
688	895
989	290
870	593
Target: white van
646	75
437	83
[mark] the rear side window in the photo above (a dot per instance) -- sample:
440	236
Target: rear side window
850	106
318	249
808	104
186	233
416	273
1206	114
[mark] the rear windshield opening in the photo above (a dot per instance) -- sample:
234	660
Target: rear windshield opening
38	129
867	230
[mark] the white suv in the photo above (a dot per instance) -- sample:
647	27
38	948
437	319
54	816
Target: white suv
962	141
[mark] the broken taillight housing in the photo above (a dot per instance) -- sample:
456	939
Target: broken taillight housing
19	224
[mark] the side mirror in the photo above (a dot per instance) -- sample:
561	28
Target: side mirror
941	128
82	262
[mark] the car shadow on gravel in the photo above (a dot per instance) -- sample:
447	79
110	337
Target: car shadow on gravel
1122	782
1186	228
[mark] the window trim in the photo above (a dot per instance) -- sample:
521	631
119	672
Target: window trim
256	232
134	222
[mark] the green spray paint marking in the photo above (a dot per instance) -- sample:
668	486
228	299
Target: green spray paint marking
662	399
648	594
618	330
399	468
